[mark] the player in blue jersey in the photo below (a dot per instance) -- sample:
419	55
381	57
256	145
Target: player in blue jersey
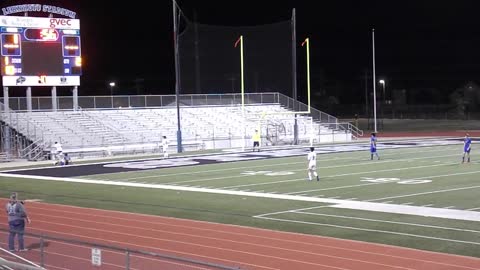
373	146
467	146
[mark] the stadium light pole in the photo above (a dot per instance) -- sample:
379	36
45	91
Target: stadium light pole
112	84
177	76
374	84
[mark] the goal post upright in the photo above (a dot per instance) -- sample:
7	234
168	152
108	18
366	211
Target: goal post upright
242	88
239	42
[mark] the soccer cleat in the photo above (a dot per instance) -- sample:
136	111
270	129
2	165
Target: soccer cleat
318	178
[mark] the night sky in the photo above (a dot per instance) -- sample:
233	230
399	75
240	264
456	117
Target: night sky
419	44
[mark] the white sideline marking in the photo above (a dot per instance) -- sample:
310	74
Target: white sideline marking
390	222
371	230
423	193
473	209
356	205
411	210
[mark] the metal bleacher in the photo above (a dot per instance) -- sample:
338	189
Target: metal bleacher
126	128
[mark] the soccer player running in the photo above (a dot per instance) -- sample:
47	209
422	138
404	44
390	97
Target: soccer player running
467	146
373	146
165	147
312	164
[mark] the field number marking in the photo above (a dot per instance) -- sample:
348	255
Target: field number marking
397	180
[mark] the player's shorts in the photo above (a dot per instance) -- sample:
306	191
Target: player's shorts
312	167
466	150
256	144
164	148
373	149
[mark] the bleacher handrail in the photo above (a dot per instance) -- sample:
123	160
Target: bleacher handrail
296	105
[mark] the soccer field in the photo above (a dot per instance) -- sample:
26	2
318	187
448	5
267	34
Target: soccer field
418	197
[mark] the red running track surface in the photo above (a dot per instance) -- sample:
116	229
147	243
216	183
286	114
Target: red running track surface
244	247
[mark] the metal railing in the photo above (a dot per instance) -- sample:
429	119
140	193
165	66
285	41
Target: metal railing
33	151
149	101
46	250
294	105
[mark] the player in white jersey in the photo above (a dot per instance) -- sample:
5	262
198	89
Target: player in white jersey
165	146
57	153
312	164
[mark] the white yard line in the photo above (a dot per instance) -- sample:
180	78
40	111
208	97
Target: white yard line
389	222
374	231
349	174
274	165
291	211
334	188
423	193
297	170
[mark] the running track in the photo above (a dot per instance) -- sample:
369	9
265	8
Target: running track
244	247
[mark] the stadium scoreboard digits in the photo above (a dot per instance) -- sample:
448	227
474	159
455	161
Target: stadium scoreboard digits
37	51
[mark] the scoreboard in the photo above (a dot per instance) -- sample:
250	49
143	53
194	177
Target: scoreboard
39	51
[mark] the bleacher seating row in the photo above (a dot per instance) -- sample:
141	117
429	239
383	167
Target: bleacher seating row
116	128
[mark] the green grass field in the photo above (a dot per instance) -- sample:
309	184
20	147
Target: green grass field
413	197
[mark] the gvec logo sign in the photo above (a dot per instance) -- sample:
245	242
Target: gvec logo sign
55	22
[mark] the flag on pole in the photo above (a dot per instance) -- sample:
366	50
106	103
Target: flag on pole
238	40
305	41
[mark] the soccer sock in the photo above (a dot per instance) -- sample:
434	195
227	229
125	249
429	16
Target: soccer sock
309	175
371	156
463	159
